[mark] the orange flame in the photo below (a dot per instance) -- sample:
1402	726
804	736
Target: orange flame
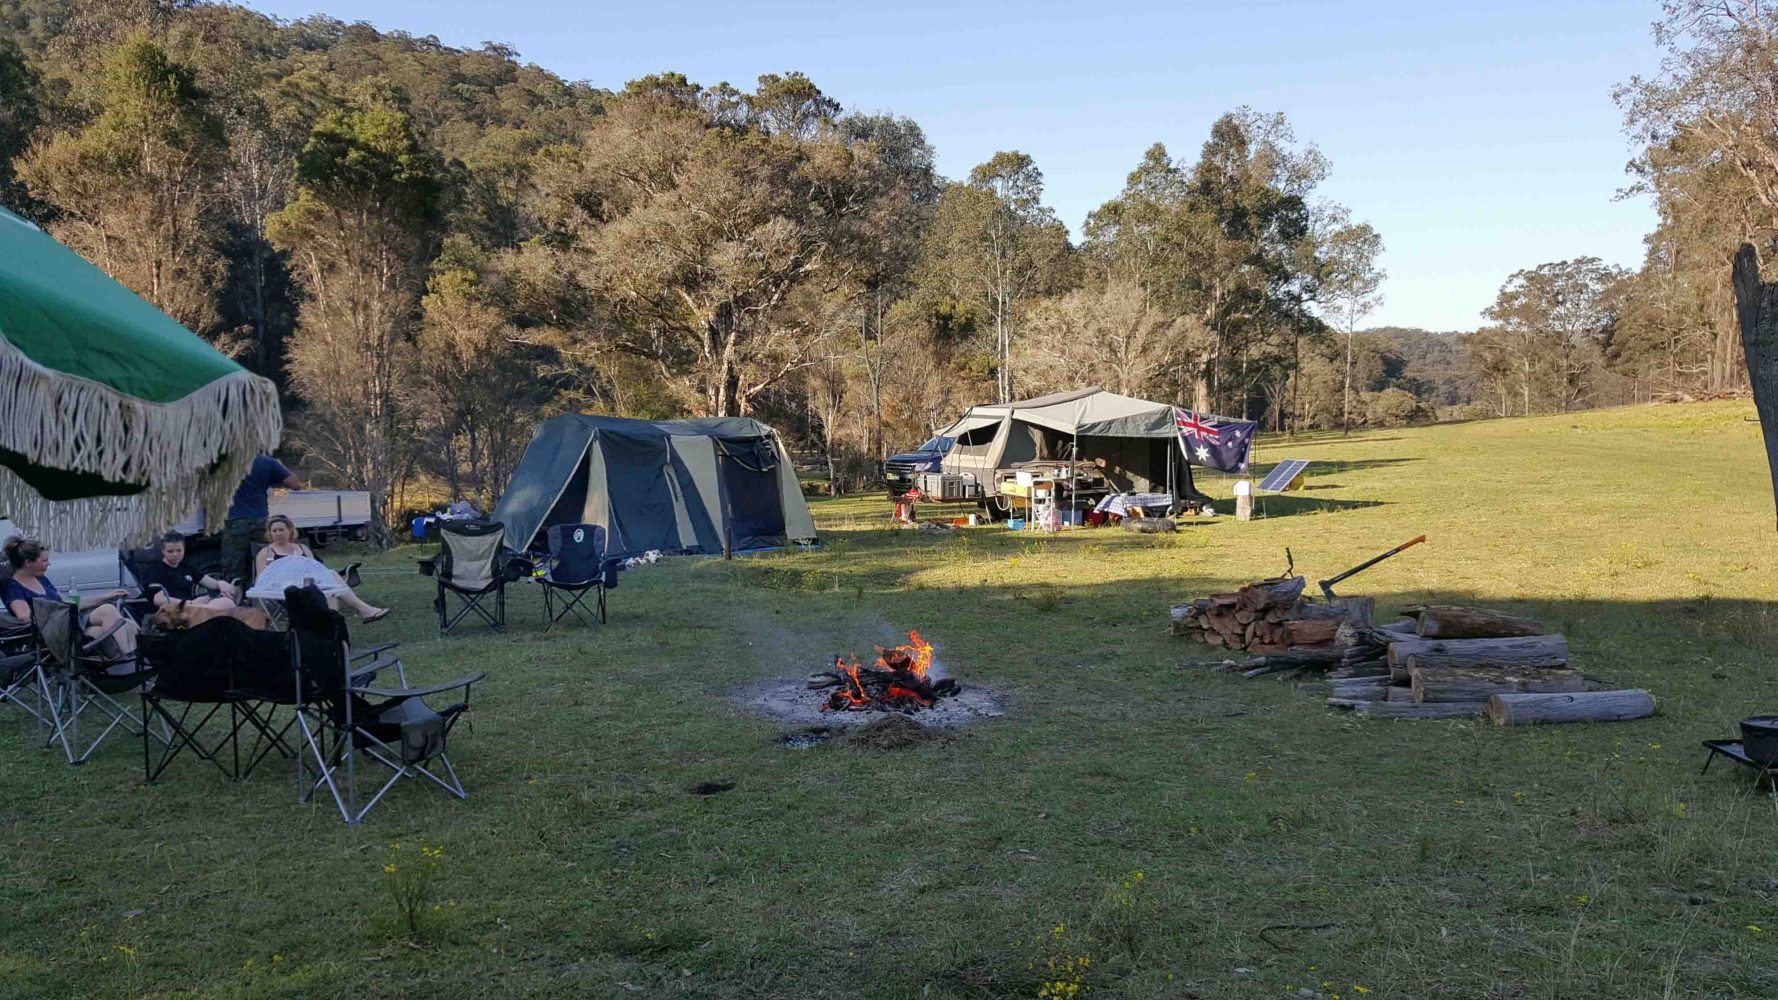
912	657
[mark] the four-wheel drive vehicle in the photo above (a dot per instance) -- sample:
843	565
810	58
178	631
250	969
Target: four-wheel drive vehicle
902	472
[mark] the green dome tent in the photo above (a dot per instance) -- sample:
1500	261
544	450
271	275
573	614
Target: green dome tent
115	421
680	486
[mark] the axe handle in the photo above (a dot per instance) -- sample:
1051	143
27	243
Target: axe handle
1367	564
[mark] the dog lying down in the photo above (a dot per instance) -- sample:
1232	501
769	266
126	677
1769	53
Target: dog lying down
184	614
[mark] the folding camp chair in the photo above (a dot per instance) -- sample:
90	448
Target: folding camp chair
342	716
84	674
473	564
575	568
134	565
22	681
222	669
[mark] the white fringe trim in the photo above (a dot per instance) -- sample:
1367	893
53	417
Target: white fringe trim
67	422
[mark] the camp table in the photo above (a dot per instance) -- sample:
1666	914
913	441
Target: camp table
1733	750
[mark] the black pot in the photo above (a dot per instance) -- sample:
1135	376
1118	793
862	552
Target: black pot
1759	738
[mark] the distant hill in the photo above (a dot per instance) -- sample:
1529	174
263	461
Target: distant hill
1433	365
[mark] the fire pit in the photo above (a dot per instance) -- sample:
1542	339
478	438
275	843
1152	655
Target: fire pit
900	681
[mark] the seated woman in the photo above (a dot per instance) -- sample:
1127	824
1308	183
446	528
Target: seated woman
171	580
282	533
30	561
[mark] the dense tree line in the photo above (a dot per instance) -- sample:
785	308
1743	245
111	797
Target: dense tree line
431	248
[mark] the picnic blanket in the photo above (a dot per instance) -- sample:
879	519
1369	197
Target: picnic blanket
1154	504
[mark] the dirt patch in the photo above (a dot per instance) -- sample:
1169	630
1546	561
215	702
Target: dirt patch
894	732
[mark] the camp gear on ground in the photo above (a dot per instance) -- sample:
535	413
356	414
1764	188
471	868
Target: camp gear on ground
709	486
115	421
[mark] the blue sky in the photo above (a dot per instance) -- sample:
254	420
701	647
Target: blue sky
1478	141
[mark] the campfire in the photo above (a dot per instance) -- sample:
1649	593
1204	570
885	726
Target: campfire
900	681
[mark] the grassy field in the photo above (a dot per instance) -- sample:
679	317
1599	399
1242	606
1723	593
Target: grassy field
1408	859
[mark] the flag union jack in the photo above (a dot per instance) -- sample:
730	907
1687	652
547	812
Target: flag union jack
1214	442
1190	424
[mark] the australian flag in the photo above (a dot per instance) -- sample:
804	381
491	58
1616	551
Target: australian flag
1214	442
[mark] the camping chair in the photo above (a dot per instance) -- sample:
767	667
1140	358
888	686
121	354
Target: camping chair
576	566
342	716
472	563
221	664
22	683
133	565
79	673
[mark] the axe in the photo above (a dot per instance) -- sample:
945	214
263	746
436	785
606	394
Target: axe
1327	585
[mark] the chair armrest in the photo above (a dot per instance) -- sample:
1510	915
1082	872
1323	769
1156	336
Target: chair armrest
359	654
351	575
461	682
371	669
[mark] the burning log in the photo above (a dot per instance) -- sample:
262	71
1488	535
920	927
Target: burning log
898	680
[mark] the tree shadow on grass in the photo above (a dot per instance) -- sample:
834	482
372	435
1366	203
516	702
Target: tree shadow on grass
1288	504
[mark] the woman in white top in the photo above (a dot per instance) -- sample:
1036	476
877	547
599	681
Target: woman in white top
282	535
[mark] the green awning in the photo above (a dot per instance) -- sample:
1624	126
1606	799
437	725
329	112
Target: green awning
115	421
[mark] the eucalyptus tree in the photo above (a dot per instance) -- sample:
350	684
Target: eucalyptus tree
1349	287
995	245
360	233
137	190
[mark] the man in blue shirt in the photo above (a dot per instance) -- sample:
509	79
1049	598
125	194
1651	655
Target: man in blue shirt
247	514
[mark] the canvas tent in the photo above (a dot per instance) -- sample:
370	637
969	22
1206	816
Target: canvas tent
1135	442
680	486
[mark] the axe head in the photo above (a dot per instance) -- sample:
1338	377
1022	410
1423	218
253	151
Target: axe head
1327	589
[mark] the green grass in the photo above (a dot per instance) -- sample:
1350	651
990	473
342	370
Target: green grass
1447	859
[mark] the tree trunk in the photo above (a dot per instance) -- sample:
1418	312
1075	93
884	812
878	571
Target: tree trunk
1416	710
1540	652
1756	312
1590	706
1434	685
1346	407
1452	622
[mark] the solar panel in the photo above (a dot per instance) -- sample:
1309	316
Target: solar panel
1282	475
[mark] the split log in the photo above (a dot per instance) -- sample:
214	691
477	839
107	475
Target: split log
1434	685
1305	656
1269	593
1435	710
1310	633
1452	622
1357	610
1245	616
1586	706
1521	653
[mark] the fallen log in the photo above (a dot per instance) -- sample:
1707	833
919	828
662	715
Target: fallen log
1585	706
1337	702
1415	710
1520	653
1303	656
1436	684
1400	694
1453	622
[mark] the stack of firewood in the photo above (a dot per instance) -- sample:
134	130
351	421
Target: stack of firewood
1435	663
1270	616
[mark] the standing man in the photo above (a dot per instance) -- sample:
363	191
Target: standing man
247	514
